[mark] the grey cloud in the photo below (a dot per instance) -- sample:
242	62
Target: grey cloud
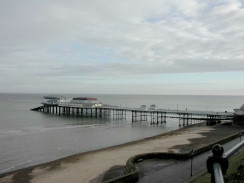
116	70
195	37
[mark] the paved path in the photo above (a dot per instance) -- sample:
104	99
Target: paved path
176	171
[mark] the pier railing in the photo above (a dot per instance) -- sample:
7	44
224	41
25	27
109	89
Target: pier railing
217	163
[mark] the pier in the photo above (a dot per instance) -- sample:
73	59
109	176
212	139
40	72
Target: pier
157	116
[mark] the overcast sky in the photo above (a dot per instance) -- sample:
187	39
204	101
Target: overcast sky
122	47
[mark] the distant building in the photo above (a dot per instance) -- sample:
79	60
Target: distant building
86	102
238	118
153	107
143	107
54	99
239	111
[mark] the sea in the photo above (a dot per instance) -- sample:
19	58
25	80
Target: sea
29	138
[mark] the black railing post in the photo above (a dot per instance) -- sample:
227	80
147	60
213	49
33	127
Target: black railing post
192	153
215	158
241	132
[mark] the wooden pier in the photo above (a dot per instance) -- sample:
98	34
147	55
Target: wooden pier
185	117
75	111
158	116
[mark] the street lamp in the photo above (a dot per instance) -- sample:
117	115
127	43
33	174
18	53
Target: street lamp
241	132
192	152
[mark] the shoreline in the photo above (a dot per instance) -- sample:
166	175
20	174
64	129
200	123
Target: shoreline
96	150
85	167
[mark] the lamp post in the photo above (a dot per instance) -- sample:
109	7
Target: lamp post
241	132
192	152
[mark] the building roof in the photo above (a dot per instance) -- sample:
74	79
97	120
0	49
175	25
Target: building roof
74	101
54	97
84	98
242	107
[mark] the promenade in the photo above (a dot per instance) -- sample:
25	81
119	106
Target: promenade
177	171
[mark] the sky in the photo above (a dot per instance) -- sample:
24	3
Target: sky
186	47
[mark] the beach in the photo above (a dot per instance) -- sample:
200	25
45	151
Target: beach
86	167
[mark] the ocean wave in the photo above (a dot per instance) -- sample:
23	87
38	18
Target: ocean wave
67	127
11	131
24	131
16	166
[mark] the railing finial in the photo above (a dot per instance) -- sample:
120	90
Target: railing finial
217	150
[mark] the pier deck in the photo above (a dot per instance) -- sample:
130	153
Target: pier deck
157	116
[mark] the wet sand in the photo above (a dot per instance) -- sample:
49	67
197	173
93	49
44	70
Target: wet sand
85	167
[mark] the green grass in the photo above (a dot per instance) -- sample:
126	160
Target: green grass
235	172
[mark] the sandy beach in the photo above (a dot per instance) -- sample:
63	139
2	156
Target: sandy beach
87	166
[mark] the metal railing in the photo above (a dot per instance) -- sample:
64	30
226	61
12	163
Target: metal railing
234	149
218	175
217	163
